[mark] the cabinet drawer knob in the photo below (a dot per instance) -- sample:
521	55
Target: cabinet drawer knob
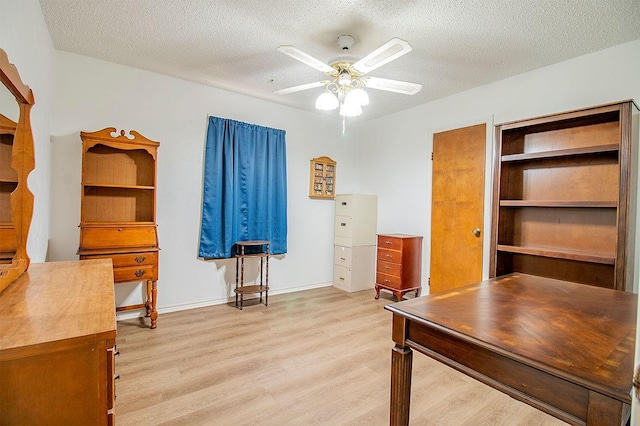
388	242
139	273
140	259
119	229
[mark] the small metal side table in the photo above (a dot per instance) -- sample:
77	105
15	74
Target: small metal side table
252	249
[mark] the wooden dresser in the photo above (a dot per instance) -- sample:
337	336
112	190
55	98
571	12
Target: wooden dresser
57	337
399	264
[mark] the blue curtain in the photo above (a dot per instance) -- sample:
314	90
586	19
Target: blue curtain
245	188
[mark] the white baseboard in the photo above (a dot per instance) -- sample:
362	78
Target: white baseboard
186	306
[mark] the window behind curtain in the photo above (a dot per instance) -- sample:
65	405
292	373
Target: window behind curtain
245	188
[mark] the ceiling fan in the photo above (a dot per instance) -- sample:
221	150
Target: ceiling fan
348	76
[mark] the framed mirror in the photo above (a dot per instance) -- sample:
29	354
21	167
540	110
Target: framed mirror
16	162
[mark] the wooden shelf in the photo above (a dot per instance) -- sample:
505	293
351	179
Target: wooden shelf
251	289
252	255
576	255
543	155
562	204
563	198
118	186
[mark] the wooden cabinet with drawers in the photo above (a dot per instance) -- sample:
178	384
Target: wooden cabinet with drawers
399	264
57	343
118	209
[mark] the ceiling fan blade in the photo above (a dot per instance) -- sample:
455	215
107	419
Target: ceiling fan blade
403	87
389	51
300	87
307	59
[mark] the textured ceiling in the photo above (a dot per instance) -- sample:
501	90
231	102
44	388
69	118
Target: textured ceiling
457	44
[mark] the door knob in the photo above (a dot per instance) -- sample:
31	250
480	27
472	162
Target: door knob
476	232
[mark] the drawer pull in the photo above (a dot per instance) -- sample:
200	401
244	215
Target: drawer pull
388	255
139	273
387	267
119	229
387	281
388	242
343	258
140	259
341	279
344	203
343	224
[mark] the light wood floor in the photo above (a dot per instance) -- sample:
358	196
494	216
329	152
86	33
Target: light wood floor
316	357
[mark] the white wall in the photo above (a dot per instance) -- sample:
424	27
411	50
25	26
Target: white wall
25	38
92	94
402	142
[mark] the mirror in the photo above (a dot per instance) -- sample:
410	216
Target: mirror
16	162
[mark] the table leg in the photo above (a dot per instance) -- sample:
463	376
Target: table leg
401	364
154	298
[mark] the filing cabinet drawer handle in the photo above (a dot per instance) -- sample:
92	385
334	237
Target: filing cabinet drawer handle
343	224
341	278
140	259
139	273
344	203
343	258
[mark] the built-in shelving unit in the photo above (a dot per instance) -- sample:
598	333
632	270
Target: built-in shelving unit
564	196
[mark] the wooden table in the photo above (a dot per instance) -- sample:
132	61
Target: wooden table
564	348
252	249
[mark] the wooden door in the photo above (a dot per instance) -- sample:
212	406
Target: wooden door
457	207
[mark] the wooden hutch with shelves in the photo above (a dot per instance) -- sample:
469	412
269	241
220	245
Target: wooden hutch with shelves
118	208
564	196
322	180
8	184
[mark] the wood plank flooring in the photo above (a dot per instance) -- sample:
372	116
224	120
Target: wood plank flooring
315	357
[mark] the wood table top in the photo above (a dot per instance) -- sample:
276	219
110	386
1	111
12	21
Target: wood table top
56	301
583	333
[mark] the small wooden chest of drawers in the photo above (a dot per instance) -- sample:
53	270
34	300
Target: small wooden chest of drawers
399	264
133	264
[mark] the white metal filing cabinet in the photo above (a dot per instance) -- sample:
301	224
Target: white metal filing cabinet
355	242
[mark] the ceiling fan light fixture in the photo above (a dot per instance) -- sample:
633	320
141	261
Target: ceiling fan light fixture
348	109
327	101
357	96
344	79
